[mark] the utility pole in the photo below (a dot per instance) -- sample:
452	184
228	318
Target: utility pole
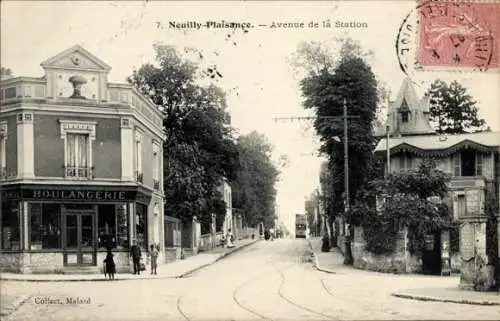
348	260
387	134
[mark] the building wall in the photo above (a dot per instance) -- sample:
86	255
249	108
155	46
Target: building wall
11	146
106	149
49	147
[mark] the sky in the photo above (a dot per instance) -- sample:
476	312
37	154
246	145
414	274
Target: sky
257	75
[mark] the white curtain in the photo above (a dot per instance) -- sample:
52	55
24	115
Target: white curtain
82	150
71	151
77	152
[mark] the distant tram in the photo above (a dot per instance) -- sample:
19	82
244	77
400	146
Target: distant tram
300	226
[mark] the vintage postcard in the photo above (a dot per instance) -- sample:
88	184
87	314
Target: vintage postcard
250	160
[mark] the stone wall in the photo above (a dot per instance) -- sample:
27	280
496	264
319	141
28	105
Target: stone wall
122	260
11	262
455	262
398	262
172	254
53	262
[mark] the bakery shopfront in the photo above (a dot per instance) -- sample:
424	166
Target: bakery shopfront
63	228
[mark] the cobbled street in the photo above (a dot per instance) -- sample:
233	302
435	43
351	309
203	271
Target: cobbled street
268	280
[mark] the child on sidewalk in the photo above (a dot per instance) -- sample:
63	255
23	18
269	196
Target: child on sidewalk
154	258
109	265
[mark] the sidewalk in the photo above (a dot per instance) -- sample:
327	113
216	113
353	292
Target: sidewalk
329	262
333	262
177	269
453	294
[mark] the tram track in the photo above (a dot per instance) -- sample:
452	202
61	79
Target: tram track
295	303
244	307
237	292
178	305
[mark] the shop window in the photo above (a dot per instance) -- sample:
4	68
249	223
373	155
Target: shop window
141	227
45	226
10	237
112	226
106	226
122	223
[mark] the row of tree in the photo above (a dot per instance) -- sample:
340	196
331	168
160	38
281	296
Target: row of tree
201	148
325	85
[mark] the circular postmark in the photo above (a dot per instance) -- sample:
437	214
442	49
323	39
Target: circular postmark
451	36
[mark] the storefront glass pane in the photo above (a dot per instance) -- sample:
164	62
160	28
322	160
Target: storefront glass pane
71	231
141	225
106	226
45	226
10	239
87	228
122	227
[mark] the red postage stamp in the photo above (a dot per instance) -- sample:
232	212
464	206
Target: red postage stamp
459	34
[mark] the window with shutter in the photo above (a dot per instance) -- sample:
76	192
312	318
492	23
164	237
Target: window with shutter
457	165
479	164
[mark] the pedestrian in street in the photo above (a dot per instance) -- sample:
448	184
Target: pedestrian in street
135	253
153	253
109	265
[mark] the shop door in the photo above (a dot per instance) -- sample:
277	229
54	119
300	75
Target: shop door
80	240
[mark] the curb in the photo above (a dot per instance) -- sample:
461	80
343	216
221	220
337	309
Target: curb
82	280
14	306
101	279
437	299
316	262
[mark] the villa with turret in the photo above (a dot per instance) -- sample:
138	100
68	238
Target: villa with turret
472	161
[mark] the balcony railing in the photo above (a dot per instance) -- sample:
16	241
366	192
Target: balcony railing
139	177
77	171
156	185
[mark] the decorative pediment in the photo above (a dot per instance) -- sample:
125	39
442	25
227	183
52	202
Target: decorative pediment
76	58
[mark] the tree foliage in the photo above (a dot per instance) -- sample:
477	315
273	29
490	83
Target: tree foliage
324	91
404	199
253	186
453	110
5	73
198	146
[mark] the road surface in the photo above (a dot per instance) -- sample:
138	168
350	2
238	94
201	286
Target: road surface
265	281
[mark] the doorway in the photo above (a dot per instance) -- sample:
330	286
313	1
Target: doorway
79	239
431	256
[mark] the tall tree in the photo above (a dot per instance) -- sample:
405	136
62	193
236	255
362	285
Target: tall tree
453	110
198	149
353	80
253	187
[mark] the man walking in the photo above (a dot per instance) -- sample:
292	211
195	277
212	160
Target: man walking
135	253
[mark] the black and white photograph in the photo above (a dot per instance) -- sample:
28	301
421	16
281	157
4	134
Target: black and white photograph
249	160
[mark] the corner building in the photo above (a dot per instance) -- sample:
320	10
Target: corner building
80	168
